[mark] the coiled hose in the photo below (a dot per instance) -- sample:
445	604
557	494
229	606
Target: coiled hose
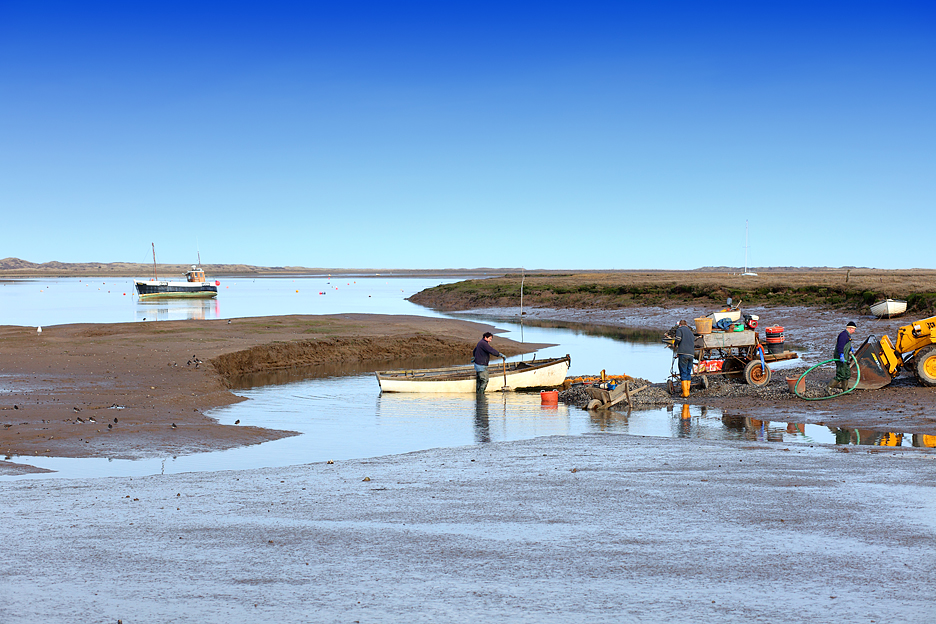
834	396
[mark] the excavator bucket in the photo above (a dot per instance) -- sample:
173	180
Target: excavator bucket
871	359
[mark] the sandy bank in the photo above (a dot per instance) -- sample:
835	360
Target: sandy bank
134	390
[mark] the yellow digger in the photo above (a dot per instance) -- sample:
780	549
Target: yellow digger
914	350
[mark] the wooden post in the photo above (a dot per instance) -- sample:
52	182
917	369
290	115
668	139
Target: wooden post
627	392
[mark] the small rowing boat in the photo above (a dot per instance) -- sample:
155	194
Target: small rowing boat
547	373
889	308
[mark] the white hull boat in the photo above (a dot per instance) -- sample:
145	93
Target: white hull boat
547	373
889	308
194	286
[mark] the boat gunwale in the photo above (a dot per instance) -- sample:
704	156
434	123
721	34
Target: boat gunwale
461	372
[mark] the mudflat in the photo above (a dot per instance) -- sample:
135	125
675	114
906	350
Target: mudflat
132	390
598	528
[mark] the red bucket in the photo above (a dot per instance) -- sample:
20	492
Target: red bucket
549	397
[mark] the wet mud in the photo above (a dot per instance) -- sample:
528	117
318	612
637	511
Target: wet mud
903	405
134	390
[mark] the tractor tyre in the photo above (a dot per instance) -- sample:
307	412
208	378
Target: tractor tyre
756	374
925	366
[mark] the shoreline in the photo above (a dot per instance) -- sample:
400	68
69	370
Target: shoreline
134	390
140	379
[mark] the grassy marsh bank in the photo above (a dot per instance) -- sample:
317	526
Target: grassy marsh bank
854	289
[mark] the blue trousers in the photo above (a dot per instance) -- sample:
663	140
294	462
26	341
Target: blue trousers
685	368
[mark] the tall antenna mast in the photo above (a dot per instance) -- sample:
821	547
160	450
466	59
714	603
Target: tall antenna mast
746	271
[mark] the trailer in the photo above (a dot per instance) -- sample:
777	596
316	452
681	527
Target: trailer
734	354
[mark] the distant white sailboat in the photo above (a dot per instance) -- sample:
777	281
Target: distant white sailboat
746	272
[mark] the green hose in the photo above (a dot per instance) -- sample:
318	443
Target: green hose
834	396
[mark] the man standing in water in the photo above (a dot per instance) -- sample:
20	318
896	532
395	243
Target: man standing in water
843	351
685	349
481	357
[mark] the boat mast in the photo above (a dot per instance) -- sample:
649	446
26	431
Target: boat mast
155	277
745	245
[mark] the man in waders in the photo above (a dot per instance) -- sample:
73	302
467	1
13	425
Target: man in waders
685	349
481	356
843	351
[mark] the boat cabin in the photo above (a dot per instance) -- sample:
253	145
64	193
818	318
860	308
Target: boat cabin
195	275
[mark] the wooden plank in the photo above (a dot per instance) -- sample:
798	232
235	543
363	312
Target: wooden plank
621	397
779	357
746	338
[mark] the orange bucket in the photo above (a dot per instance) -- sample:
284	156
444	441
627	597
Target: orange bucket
549	397
796	387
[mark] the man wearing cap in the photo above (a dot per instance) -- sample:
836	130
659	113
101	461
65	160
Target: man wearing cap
480	358
843	351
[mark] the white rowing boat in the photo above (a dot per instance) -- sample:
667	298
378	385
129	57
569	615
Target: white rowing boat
889	308
547	373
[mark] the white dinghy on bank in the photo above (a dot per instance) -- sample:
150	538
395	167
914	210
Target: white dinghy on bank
547	373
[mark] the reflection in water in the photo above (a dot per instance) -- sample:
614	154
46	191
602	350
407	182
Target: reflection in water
178	310
867	437
482	423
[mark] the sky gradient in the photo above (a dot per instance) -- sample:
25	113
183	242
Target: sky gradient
435	135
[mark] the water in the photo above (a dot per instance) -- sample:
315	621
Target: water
342	415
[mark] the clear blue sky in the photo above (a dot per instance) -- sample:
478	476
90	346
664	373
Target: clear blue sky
617	135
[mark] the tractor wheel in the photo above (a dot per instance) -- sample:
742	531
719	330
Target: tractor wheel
756	374
670	386
925	365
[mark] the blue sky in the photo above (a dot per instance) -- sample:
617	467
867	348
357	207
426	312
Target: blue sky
433	135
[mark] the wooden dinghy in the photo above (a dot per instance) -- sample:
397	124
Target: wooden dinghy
889	308
547	373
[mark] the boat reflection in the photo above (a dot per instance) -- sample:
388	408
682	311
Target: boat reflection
178	310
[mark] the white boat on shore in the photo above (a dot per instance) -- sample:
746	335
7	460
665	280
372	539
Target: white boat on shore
889	308
547	373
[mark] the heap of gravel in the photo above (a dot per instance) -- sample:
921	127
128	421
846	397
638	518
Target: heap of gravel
777	389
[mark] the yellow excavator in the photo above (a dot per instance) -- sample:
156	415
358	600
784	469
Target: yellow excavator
914	350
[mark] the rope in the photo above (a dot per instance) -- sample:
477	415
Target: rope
834	396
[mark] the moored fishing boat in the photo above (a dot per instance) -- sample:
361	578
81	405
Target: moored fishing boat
546	373
195	285
889	308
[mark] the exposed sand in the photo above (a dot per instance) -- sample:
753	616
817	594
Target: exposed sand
86	371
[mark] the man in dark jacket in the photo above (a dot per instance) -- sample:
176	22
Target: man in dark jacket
481	357
843	351
684	344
